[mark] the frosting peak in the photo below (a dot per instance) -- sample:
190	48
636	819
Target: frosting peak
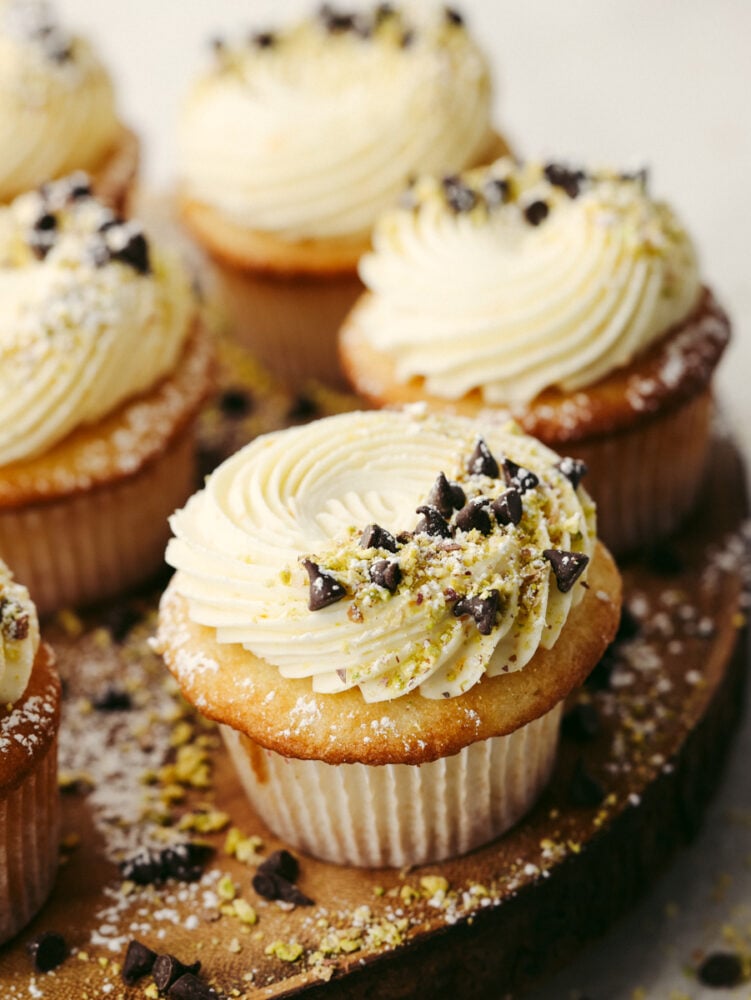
512	279
387	551
19	637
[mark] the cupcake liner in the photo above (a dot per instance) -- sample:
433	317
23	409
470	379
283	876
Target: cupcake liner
399	814
289	323
29	844
646	480
94	545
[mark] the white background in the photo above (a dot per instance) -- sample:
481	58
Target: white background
665	83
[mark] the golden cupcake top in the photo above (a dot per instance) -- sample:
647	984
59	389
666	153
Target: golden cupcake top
57	108
19	638
515	278
387	551
312	130
91	315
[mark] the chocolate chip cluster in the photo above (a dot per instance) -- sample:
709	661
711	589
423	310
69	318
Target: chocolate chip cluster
445	515
172	977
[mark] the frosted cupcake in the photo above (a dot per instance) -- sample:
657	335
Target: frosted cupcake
103	367
569	300
29	721
295	140
386	610
57	108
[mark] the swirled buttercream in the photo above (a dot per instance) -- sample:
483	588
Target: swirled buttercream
19	637
90	315
311	132
57	110
325	517
511	279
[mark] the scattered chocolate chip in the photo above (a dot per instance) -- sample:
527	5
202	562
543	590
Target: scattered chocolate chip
484	610
263	39
567	567
573	469
113	700
139	961
664	559
628	626
281	863
459	196
453	16
481	462
47	951
432	522
407	39
386	573
43	235
235	402
168	969
217	44
302	408
508	507
324	588
79	186
536	212
190	987
376	537
584	790
723	970
271	886
582	723
134	253
336	21
183	862
474	515
496	192
564	177
518	476
640	176
446	495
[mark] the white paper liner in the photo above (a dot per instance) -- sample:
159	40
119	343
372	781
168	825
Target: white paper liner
95	545
29	845
399	814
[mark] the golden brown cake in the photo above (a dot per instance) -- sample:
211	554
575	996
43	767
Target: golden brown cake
104	367
294	141
567	300
29	801
386	612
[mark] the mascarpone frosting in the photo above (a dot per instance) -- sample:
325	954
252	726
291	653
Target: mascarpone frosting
19	637
511	279
311	132
90	315
57	109
280	524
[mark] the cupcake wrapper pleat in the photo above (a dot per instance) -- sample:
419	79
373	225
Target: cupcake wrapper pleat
398	814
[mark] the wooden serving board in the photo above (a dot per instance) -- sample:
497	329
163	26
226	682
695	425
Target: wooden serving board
664	703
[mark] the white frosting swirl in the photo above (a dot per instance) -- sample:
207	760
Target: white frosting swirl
314	135
57	110
80	330
19	637
309	492
481	299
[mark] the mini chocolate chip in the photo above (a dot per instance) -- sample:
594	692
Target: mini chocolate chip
496	191
190	987
386	573
453	16
271	886
43	235
567	567
628	626
446	495
46	221
139	961
536	212
135	253
573	469
281	863
474	515
640	176
405	537
183	862
484	610
582	723
235	402
376	537
518	476
168	969
481	462
263	39
583	789
113	700
564	177
407	39
508	507
324	588
47	951
80	187
302	408
334	20
432	522
723	970
217	44
459	196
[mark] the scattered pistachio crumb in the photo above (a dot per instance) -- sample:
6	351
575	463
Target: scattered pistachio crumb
226	888
245	912
433	884
286	951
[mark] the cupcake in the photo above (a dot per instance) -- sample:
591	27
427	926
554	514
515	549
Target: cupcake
29	720
103	367
295	140
569	300
57	108
386	611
